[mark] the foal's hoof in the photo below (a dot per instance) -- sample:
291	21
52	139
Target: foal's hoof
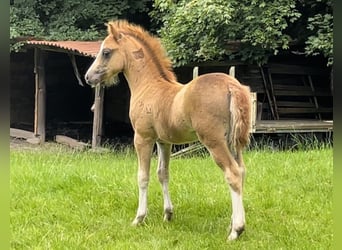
138	221
168	215
235	233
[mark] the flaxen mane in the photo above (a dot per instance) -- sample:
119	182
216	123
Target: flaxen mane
151	44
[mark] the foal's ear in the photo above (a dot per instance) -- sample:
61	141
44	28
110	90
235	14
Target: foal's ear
112	31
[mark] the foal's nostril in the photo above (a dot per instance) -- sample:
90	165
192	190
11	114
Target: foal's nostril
87	79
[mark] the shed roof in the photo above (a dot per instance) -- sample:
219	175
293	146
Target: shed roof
83	48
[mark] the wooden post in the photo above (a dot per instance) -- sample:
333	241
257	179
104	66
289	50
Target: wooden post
195	72
98	117
40	95
232	71
254	112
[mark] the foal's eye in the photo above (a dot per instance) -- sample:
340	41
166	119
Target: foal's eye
106	53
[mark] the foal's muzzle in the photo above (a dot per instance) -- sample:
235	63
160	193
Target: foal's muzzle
92	79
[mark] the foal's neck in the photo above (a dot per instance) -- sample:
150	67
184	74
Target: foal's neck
143	74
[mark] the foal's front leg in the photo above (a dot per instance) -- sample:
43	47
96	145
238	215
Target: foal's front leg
164	151
143	148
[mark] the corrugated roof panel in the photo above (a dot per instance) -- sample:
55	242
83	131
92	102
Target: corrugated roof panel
86	48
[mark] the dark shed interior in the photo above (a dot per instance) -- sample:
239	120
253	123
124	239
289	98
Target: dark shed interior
68	104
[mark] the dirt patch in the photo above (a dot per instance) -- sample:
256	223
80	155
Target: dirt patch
16	143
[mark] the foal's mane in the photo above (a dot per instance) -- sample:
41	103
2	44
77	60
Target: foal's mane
150	43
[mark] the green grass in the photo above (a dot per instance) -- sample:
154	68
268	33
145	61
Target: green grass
64	199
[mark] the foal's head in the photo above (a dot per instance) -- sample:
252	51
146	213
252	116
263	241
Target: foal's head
110	60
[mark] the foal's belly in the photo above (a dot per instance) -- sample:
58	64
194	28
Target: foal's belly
177	137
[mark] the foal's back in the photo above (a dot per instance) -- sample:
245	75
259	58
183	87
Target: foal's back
217	101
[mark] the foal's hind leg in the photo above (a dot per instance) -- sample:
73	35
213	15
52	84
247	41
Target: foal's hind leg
164	151
234	176
238	215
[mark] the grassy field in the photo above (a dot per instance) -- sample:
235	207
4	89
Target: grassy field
64	199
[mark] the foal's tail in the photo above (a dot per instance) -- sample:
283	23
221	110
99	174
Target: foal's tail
240	117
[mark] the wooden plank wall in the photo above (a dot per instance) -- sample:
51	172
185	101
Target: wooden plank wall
289	91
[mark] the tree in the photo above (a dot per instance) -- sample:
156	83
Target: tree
68	19
191	30
201	30
320	39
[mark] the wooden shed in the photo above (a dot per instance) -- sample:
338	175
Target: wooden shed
48	101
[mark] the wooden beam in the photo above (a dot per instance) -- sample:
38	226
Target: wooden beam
293	126
268	94
40	94
20	133
194	147
70	142
296	69
24	134
292	91
273	95
74	66
98	117
304	110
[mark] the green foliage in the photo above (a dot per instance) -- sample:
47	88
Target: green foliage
322	40
24	22
201	30
262	27
192	31
67	19
196	29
